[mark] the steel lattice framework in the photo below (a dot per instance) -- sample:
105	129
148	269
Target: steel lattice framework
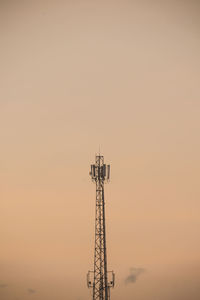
98	278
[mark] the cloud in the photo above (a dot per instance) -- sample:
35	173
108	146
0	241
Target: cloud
3	285
31	291
134	274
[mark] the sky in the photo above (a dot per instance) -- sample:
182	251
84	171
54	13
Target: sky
122	75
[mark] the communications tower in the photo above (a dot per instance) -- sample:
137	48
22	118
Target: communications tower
100	280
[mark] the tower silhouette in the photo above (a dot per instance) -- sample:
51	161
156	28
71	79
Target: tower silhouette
100	280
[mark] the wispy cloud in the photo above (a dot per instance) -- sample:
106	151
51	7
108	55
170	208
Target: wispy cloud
134	274
31	291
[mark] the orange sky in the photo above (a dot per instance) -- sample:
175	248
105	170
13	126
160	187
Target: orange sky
75	75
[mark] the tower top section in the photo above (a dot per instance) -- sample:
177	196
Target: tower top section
100	171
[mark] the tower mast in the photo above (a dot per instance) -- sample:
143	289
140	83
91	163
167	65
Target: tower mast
98	278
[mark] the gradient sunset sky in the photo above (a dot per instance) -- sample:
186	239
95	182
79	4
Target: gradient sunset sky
124	75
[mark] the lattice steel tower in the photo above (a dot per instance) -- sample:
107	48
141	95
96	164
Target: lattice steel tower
100	280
